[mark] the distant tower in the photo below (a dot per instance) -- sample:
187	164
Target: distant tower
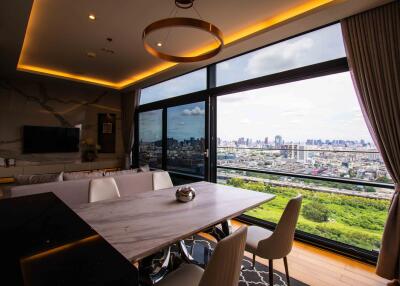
278	141
302	154
266	141
290	151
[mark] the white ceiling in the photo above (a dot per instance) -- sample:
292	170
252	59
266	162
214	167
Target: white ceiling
59	33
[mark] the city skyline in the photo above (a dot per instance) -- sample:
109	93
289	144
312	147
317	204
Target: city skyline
271	141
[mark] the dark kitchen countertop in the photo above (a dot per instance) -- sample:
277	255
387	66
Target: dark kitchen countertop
43	242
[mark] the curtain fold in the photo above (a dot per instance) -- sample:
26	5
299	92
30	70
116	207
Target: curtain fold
129	104
372	41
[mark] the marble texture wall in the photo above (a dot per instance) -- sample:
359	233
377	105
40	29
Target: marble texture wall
53	103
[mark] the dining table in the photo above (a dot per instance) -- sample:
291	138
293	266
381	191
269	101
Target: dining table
144	223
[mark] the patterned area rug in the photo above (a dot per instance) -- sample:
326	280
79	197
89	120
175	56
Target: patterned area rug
259	276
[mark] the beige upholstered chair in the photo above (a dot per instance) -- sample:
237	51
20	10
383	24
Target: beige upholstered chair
103	189
222	270
278	244
161	180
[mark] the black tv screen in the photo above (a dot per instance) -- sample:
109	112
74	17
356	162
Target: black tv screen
40	139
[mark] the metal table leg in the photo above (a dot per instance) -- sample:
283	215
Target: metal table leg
222	231
150	275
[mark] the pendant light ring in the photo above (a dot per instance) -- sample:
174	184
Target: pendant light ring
188	23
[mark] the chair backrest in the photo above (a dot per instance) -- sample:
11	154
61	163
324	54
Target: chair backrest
161	180
103	189
225	263
280	243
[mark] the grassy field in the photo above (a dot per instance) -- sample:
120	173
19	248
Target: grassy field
349	219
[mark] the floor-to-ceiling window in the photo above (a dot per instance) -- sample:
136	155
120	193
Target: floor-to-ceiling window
314	128
150	138
186	138
172	136
282	119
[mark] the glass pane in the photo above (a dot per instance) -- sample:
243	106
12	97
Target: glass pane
187	83
150	138
186	132
318	46
312	127
352	219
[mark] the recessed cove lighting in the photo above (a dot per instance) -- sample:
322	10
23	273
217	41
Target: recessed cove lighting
159	44
27	58
92	17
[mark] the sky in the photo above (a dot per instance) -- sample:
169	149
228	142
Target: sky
150	126
319	108
184	122
188	83
314	47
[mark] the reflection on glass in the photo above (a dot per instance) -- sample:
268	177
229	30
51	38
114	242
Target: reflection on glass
187	83
185	132
150	138
318	46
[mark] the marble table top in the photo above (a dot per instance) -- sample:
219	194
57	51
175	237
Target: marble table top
142	224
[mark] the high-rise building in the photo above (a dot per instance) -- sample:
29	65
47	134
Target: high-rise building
302	154
266	141
241	141
278	141
294	152
289	151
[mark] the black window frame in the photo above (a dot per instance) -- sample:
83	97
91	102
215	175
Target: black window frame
209	96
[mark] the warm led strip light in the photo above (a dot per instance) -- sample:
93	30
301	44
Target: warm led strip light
239	35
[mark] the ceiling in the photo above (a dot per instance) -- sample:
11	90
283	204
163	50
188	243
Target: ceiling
55	37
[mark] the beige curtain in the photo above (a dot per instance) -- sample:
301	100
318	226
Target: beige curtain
129	104
372	41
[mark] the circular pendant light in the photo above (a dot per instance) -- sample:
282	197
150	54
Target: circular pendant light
188	23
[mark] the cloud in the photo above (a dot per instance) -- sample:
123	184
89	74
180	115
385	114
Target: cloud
223	66
294	113
279	57
193	112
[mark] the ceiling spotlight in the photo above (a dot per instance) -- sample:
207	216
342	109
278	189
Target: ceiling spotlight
92	17
91	54
159	44
109	51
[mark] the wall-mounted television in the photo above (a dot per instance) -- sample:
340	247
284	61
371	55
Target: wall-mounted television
43	139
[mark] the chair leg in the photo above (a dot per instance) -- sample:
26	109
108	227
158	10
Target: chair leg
286	270
254	260
271	272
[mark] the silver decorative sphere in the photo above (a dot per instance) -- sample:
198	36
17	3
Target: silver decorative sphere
185	194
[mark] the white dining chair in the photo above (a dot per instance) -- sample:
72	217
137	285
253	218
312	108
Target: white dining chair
222	270
161	180
278	244
103	189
